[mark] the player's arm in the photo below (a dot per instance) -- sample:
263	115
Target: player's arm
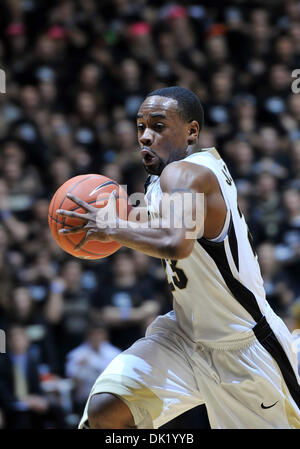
169	236
161	238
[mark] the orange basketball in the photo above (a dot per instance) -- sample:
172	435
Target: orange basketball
94	189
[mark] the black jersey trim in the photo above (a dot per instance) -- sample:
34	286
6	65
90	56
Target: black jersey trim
233	244
242	294
269	341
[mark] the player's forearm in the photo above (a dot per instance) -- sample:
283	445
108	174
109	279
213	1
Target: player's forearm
159	242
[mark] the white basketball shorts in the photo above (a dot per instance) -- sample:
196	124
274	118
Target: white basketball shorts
248	383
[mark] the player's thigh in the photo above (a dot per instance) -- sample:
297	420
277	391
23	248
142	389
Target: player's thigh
153	377
250	394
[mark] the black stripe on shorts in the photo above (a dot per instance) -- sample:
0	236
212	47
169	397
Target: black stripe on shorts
269	341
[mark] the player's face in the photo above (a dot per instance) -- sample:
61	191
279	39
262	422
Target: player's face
162	133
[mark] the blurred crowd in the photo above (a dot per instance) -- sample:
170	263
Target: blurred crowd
76	74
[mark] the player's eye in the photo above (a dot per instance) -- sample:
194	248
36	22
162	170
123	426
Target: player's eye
159	126
140	127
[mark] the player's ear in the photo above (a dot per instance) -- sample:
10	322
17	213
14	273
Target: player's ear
193	132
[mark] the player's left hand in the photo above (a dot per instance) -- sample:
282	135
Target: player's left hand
97	221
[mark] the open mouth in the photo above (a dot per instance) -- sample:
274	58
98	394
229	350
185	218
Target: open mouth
147	156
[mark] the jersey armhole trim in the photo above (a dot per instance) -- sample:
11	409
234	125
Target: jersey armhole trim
221	237
220	242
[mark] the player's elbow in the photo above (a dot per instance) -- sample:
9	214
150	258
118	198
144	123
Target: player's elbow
178	248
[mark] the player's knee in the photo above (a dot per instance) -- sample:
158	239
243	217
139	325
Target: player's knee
106	411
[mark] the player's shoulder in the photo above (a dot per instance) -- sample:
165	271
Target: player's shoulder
183	166
185	174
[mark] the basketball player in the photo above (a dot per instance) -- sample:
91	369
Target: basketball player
222	345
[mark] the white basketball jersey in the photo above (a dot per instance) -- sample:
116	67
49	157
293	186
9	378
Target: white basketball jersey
218	289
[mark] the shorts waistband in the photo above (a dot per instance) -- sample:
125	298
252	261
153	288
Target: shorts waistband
241	341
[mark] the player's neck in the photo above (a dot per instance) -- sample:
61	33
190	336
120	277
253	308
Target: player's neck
193	149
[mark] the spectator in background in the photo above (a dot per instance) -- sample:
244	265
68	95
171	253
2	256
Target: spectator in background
112	171
67	308
288	251
217	52
242	166
276	92
291	120
266	210
125	141
218	107
245	117
38	222
24	404
295	163
277	282
273	159
24	312
292	320
16	229
83	121
142	54
151	276
60	171
22	179
207	138
26	129
60	138
48	93
90	77
5	276
17	40
87	361
22	187
130	87
284	52
38	276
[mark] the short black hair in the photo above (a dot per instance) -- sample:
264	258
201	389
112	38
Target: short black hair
189	104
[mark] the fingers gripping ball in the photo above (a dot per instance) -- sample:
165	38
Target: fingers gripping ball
95	190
